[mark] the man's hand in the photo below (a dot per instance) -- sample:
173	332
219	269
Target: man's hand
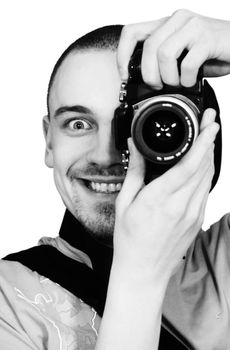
206	39
155	224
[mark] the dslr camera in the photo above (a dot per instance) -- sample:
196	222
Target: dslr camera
164	123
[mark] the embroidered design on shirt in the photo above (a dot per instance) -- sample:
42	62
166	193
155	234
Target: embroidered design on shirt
75	323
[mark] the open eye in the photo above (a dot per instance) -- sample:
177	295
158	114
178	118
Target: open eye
78	125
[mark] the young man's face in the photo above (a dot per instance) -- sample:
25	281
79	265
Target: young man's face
80	145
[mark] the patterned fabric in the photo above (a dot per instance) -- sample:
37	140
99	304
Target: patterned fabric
36	313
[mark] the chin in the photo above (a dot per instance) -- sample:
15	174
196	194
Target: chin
99	221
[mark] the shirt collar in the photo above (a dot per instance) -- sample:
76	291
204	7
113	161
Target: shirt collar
77	236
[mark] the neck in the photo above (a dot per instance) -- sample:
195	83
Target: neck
77	236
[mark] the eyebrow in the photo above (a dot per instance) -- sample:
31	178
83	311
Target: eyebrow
76	108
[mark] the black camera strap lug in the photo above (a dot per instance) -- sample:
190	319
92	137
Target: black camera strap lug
124	106
125	159
123	92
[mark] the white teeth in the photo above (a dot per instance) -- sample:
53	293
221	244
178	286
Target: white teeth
104	187
112	187
118	187
97	187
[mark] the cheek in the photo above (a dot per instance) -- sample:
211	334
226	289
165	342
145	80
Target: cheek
69	150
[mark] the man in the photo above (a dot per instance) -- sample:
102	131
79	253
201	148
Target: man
121	245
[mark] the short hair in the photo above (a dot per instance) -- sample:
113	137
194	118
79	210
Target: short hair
106	37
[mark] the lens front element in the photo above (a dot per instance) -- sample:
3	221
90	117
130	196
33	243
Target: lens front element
165	127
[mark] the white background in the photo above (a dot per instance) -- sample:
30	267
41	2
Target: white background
33	35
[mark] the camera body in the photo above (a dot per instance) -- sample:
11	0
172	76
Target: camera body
164	123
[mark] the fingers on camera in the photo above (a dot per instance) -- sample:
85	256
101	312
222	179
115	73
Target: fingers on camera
132	34
208	117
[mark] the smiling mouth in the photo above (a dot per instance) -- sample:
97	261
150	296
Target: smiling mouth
102	187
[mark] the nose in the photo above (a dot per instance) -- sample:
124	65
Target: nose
103	151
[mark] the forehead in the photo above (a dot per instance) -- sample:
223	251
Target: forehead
89	78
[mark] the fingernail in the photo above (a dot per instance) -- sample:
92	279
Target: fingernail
130	145
157	87
212	115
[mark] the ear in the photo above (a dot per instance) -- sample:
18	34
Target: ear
47	135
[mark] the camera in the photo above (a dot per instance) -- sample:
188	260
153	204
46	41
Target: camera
164	123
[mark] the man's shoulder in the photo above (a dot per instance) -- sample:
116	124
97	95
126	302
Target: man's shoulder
223	224
216	237
20	267
197	293
8	269
15	276
16	280
24	272
70	272
33	305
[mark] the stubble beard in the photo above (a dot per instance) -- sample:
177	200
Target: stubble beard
98	217
99	220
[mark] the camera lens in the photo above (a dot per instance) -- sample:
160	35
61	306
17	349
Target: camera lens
163	131
164	127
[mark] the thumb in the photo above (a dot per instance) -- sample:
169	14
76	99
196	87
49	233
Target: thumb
134	180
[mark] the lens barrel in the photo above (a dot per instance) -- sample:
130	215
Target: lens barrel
164	127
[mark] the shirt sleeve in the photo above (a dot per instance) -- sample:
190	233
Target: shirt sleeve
197	300
11	338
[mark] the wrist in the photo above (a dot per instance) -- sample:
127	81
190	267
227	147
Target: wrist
132	315
136	273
